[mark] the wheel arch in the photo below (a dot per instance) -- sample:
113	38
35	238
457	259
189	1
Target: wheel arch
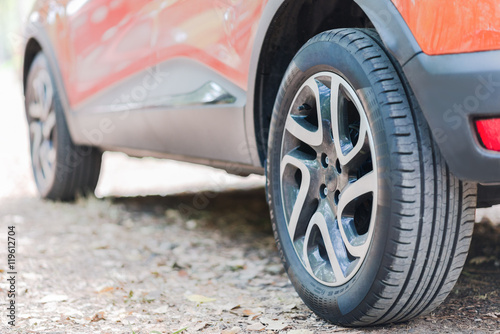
38	41
287	25
32	48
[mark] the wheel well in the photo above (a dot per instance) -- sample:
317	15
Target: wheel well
292	26
32	49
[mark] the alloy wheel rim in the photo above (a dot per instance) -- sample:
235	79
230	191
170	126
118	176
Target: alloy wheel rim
42	125
328	179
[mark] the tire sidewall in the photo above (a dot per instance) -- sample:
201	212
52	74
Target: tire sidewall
68	155
40	63
333	303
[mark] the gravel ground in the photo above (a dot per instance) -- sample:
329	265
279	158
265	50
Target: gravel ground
168	246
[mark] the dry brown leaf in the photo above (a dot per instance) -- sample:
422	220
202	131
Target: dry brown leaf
290	307
248	313
256	316
98	317
107	289
276	325
256	327
199	326
242	312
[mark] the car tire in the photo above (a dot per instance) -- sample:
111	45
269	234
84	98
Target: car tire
371	225
62	170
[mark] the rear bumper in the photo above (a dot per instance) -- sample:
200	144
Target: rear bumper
454	90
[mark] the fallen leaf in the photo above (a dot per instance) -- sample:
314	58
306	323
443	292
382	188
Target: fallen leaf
199	326
343	329
248	313
107	289
300	331
130	320
481	259
230	307
242	312
274	325
53	299
236	265
491	315
233	330
277	326
180	330
156	294
274	269
200	299
98	317
256	327
161	310
300	316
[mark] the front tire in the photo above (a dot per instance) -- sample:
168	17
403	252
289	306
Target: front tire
62	170
371	225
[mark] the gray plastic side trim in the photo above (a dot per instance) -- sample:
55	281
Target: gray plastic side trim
229	166
452	91
164	110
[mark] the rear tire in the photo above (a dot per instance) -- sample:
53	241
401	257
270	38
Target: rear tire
62	170
386	233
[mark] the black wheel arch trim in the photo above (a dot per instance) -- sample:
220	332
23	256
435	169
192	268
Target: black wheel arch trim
384	16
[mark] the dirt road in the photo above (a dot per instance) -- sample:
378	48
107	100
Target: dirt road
156	254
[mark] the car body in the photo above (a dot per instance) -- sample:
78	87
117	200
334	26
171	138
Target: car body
98	52
197	80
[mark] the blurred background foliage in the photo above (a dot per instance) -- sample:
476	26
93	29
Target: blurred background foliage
13	14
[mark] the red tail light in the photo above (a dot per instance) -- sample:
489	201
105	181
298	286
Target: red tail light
489	132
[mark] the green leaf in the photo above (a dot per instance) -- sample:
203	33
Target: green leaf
180	330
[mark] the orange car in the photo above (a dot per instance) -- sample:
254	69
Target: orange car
377	124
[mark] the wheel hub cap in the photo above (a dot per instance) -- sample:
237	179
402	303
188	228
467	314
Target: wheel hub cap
42	123
328	180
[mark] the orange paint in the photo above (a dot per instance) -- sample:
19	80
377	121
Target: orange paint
453	26
111	40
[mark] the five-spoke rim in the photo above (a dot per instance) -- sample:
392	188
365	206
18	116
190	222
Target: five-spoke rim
328	178
42	124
